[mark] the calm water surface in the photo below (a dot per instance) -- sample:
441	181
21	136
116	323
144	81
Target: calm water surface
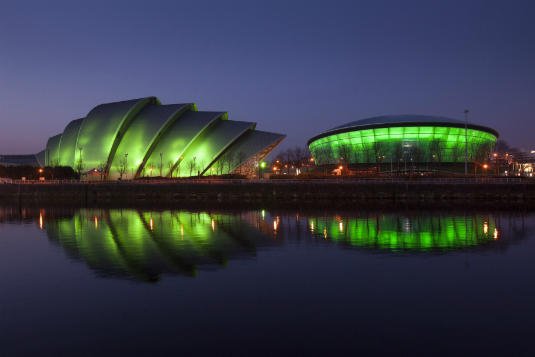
141	282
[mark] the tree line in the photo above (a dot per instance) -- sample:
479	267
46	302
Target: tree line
33	173
296	157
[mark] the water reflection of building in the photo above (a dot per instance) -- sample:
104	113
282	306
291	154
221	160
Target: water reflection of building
145	245
418	233
395	232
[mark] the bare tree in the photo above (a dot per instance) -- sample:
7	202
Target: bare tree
80	162
170	168
219	166
322	155
151	169
53	163
160	166
482	153
123	166
345	153
101	170
201	167
301	157
227	162
192	165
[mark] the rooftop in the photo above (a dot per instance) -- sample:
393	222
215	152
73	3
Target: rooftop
395	119
401	120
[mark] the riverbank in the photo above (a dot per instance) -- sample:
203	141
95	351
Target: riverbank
495	193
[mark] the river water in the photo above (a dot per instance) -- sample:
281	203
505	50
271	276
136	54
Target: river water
259	282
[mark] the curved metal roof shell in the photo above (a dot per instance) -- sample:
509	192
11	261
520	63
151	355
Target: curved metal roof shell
141	136
399	121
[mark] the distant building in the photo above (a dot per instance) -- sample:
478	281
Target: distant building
406	140
143	138
22	160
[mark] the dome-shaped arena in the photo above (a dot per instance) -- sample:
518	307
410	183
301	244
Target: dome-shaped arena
403	138
143	138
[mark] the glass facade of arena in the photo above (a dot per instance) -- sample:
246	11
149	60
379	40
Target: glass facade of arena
419	143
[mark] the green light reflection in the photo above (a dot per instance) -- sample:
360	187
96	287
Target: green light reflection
144	245
416	233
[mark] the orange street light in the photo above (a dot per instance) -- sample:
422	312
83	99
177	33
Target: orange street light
485	166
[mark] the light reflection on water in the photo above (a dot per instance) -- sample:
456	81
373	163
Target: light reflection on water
117	282
145	244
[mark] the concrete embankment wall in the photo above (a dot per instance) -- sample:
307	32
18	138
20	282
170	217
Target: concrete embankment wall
273	194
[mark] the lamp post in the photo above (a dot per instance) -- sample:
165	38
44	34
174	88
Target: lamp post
261	167
466	111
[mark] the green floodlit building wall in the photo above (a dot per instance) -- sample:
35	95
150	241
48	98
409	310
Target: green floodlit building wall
426	142
142	137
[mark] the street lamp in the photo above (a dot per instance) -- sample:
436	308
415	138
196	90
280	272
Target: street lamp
261	168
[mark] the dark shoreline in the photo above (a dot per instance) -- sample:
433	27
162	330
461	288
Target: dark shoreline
494	195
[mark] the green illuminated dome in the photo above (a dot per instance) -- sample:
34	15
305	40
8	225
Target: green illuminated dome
142	137
395	138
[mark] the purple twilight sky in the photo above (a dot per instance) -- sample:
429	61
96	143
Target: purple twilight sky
296	67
